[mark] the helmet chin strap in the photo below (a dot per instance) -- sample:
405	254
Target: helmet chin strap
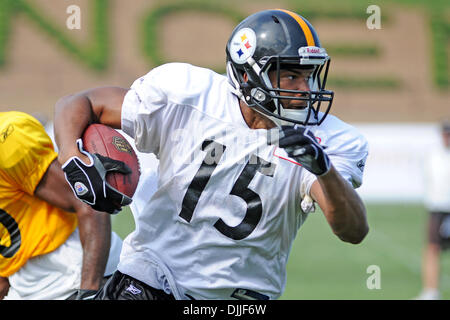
294	114
233	82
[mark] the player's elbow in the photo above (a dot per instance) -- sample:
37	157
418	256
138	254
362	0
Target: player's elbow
355	227
354	235
63	101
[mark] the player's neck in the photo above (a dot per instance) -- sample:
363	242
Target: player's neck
254	119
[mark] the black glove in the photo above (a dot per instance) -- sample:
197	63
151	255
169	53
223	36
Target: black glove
301	145
82	294
88	182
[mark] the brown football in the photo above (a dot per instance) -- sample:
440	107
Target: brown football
108	142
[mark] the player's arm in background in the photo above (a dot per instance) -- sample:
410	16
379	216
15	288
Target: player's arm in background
341	205
4	287
94	227
75	112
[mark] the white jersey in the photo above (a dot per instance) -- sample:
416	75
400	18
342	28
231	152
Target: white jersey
437	180
57	274
227	206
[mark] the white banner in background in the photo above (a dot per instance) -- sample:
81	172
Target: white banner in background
394	168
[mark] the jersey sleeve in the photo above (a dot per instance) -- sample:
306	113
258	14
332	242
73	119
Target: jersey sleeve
154	104
351	167
144	110
141	116
348	150
350	160
27	151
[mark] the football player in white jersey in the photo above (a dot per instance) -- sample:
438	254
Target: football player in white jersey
243	159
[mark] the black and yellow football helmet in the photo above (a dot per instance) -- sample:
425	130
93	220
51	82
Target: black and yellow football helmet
275	40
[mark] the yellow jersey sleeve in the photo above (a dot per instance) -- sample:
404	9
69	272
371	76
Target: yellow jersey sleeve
29	226
26	150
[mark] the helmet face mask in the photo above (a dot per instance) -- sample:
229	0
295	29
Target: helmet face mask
269	42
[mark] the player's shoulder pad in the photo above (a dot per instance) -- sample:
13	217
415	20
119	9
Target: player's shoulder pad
179	81
346	146
339	137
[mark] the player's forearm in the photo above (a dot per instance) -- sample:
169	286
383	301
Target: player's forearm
72	115
75	112
343	208
4	287
95	236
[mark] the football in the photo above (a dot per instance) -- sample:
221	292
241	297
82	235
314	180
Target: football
108	142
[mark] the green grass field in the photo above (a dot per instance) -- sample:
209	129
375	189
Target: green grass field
323	267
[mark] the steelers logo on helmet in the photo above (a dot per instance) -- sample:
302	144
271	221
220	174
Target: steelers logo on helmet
243	45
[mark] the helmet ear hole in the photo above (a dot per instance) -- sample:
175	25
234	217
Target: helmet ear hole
275	19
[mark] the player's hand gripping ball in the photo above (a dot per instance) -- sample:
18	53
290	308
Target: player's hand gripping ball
109	181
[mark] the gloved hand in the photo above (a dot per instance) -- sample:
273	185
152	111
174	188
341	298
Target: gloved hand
301	145
88	182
